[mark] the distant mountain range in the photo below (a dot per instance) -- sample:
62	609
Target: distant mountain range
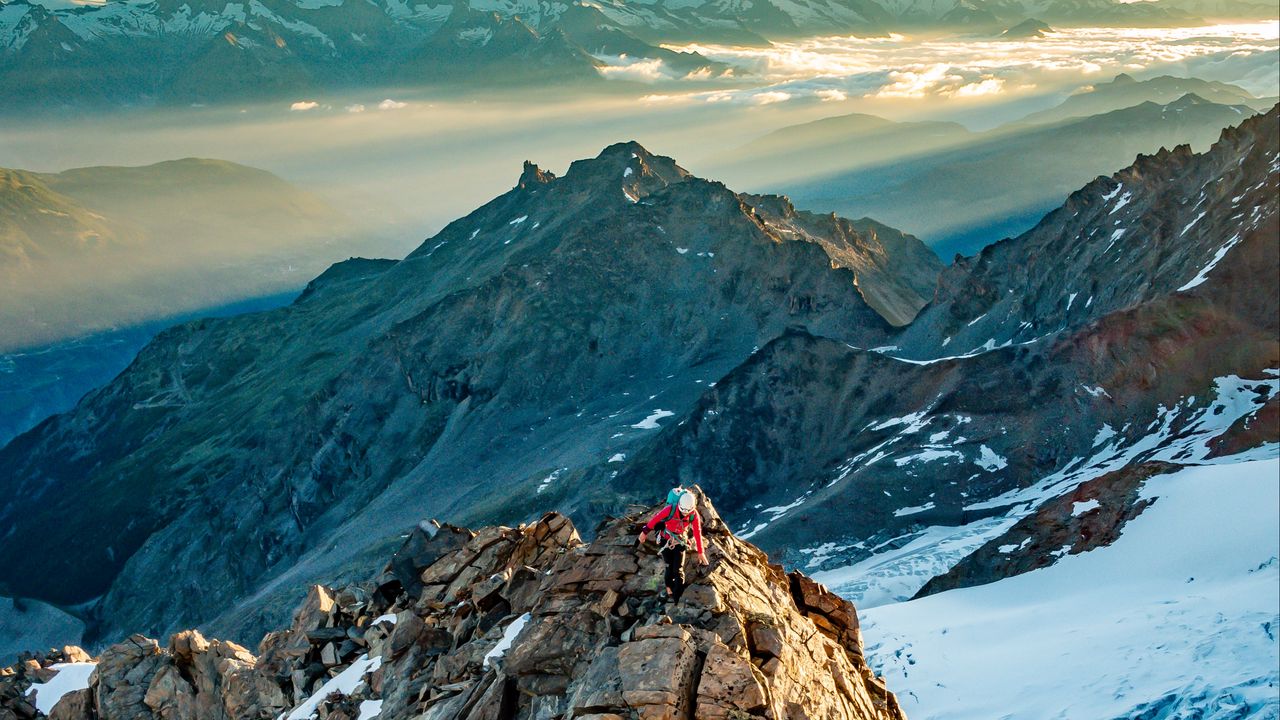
129	53
141	53
581	342
786	157
979	186
1123	91
102	247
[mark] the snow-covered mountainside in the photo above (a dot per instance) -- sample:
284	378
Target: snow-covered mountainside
139	52
131	53
1176	618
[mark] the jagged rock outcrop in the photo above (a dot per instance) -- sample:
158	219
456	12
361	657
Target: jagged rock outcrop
525	622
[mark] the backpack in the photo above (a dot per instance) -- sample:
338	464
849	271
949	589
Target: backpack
673	503
673	495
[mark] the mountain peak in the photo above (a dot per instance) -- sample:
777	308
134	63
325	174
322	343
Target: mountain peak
639	171
531	174
624	147
1187	101
626	276
1029	28
625	152
1123	79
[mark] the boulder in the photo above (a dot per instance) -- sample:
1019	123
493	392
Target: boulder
75	705
729	685
316	609
123	679
169	695
654	673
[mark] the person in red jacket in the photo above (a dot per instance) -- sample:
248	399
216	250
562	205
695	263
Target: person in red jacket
680	524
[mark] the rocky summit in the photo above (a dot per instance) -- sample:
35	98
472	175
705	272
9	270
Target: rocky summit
502	623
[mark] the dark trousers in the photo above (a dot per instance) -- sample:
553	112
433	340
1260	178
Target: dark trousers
674	576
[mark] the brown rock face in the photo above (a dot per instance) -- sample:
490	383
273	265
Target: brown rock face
524	623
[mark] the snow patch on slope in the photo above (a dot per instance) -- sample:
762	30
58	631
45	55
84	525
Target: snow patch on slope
1164	621
894	574
899	567
70	678
344	683
1217	257
651	422
508	637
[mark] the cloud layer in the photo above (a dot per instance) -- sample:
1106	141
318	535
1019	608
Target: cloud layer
899	66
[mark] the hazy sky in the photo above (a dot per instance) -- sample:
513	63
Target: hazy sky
423	160
403	163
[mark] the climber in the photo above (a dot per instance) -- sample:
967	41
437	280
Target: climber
681	521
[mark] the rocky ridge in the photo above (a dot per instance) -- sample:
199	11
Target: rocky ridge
1152	229
526	622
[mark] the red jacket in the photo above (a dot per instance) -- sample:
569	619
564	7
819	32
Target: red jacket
677	525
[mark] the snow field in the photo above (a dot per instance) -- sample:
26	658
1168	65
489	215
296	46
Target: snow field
1181	613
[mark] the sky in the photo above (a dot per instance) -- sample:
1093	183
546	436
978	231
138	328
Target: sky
417	160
